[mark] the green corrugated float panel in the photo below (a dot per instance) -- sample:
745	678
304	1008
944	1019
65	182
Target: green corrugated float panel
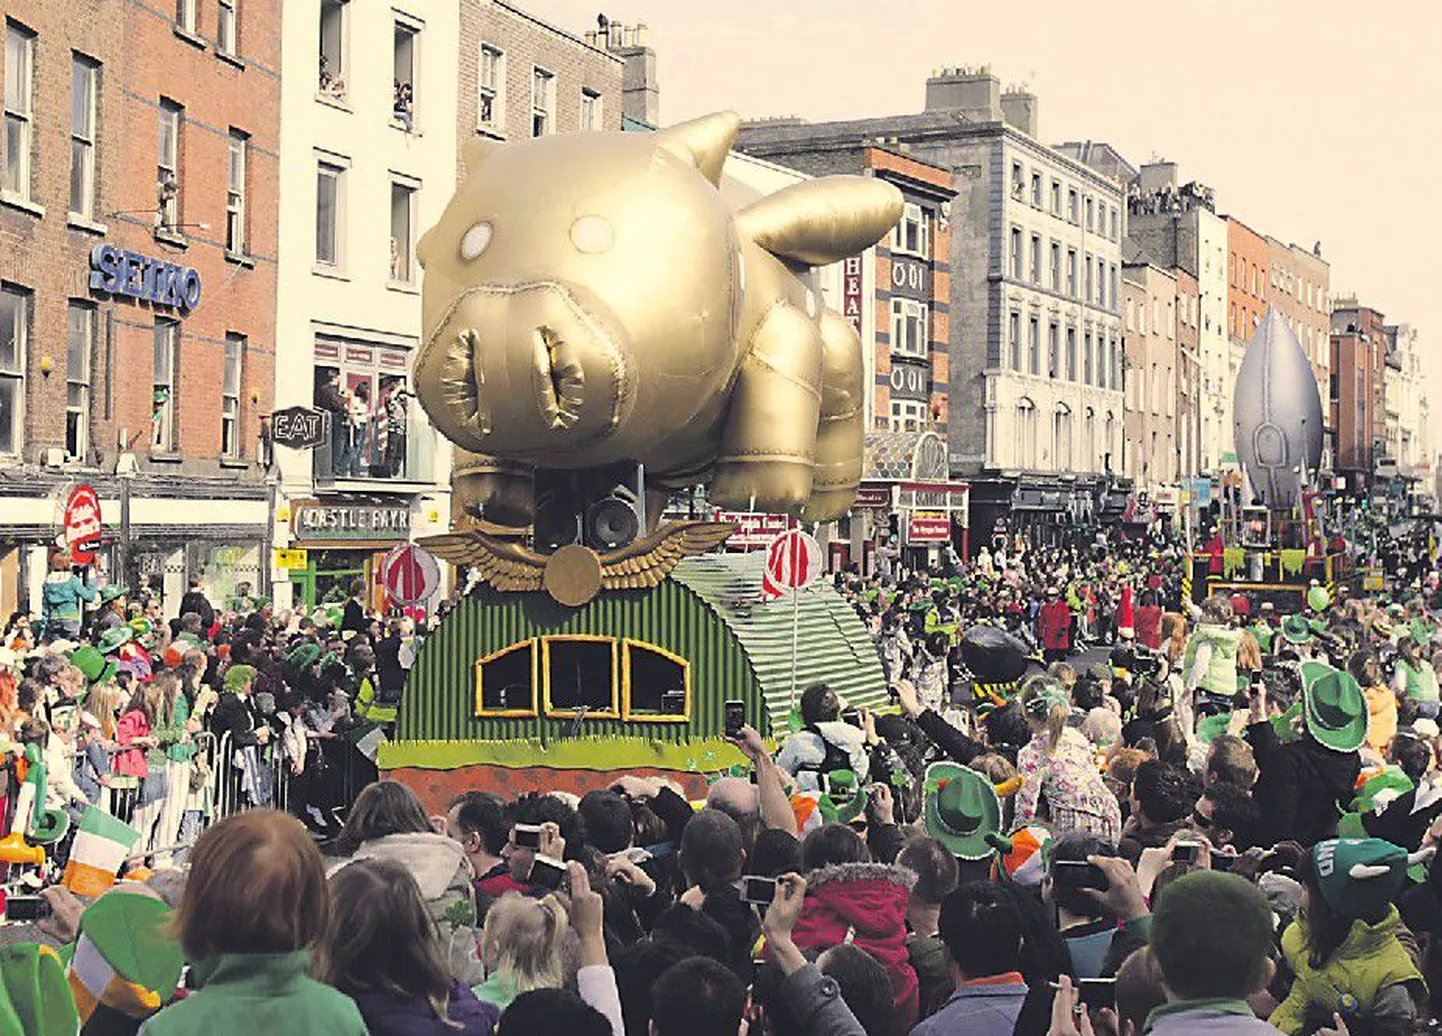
709	611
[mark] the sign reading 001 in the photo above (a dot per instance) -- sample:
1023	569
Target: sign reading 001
116	271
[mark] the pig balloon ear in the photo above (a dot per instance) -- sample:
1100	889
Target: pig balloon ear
822	221
476	151
704	141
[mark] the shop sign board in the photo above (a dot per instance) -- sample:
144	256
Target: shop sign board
910	279
926	527
753	531
82	523
321	521
410	574
299	427
851	277
922	496
116	271
872	496
910	380
294	559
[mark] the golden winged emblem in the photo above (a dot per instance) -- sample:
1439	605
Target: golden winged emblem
573	575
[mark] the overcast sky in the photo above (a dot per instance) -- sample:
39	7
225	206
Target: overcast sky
1312	119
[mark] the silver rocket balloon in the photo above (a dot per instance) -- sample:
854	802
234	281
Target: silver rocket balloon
1277	414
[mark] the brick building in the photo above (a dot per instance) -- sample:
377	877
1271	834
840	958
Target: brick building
1358	358
137	279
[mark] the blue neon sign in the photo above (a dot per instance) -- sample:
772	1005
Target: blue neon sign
117	271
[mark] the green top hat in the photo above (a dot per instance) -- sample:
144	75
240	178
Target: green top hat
844	800
111	639
111	592
303	656
1335	709
96	667
1420	631
1296	629
961	809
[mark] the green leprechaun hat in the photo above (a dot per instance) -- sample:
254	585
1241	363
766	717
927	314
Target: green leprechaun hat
112	639
1335	709
961	809
96	667
844	799
1296	629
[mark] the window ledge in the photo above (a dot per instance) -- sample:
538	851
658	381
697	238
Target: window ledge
240	259
190	37
234	463
76	221
166	457
230	59
333	101
170	237
409	129
403	287
332	273
493	134
16	201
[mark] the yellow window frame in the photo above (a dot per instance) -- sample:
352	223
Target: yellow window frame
481	710
611	713
652	717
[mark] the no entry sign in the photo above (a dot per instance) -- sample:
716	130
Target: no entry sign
792	561
410	575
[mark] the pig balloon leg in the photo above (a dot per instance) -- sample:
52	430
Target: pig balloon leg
498	491
839	437
768	445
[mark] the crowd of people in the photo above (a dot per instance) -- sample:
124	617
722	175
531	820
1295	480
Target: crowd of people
1225	825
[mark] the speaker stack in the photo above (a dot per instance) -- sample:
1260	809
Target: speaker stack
604	509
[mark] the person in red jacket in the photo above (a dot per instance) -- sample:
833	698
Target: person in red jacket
1054	626
1149	621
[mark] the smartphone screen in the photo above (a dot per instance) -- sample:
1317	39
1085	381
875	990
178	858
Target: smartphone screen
527	836
547	872
735	713
758	890
26	908
1097	993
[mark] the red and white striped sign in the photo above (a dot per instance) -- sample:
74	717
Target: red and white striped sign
410	574
792	561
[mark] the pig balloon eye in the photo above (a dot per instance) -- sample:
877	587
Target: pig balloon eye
592	234
475	241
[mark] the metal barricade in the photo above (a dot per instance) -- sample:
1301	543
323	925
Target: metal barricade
251	777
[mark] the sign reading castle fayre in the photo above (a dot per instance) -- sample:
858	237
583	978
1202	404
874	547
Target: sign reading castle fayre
116	271
317	521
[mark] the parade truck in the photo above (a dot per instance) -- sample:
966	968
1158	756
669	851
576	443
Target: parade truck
1249	559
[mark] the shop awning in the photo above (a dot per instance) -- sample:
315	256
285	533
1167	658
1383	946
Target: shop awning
905	457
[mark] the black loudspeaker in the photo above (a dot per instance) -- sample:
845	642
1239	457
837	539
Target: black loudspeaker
558	510
615	506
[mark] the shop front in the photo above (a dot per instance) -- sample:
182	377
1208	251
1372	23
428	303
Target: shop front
333	543
907	510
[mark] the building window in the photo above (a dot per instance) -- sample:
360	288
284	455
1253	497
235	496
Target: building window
79	348
363	385
1087	358
1087	266
1036	258
1089	439
1018	181
580	676
333	58
167	360
1112	276
84	79
1071	204
187	14
1036	189
225	26
329	213
1013	341
1016	256
1053	351
506	681
909	328
1056	197
908	415
655	684
1071	354
235	164
168	164
591	113
543	102
491	89
912	235
1088	207
1112	218
1071	272
19	92
14	337
403	212
1061	438
1116	363
1025	433
405	47
230	396
1033	345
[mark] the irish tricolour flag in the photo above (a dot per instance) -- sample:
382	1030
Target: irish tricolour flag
101	845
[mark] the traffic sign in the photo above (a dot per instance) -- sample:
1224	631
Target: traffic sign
410	574
82	523
299	427
792	561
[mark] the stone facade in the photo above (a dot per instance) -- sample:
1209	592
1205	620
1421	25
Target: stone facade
1151	320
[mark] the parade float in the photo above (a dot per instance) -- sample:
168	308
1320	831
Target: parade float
1273	541
605	325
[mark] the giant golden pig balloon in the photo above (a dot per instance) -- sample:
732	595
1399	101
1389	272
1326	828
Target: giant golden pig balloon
591	298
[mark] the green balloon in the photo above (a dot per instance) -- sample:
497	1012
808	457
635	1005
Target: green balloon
1318	599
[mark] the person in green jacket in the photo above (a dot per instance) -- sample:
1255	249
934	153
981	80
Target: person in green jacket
1343	947
1414	678
255	904
1209	665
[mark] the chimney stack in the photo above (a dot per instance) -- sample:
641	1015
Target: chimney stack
1019	108
640	93
973	92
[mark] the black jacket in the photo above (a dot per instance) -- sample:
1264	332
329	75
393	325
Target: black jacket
236	716
1402	823
195	601
1302	787
353	617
